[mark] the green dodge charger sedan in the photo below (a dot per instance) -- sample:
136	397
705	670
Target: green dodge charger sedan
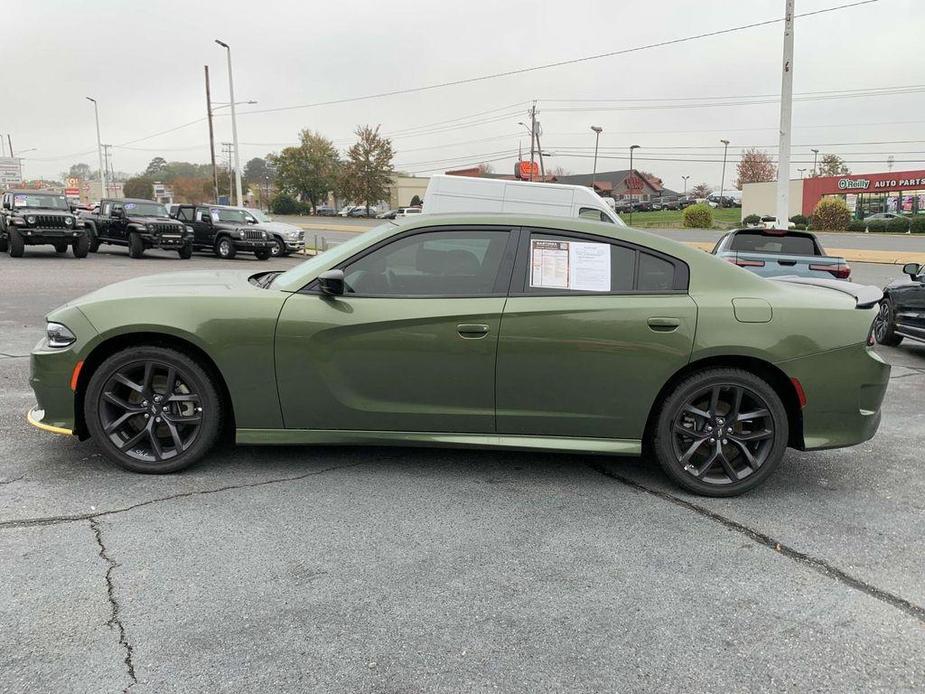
479	331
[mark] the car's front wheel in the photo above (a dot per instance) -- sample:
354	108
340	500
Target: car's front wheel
136	247
186	251
152	409
80	246
262	253
884	325
17	244
278	249
721	432
224	248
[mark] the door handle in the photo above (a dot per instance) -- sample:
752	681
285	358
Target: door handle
660	324
472	331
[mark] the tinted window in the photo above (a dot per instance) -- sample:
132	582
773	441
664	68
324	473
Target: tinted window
762	242
655	274
439	263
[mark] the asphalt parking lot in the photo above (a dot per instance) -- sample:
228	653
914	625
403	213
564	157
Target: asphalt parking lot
392	569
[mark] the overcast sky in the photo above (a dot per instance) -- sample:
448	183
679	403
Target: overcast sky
143	62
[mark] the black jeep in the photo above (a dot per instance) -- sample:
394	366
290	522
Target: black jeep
37	217
224	230
138	224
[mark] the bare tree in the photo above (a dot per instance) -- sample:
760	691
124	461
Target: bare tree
486	168
701	190
832	165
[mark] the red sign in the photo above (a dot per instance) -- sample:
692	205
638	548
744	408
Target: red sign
72	192
522	170
634	183
854	184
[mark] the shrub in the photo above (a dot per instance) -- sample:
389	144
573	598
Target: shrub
752	220
799	227
831	214
856	225
698	216
876	225
799	219
917	225
898	225
284	204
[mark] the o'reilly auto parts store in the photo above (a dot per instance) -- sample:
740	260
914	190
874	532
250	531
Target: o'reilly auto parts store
901	192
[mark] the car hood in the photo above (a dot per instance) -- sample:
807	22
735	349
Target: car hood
281	227
152	220
44	210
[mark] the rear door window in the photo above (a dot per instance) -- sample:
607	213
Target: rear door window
758	241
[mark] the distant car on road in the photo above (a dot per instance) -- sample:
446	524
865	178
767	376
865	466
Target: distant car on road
882	215
325	211
780	252
407	212
902	311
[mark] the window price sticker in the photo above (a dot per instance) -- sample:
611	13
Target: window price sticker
576	265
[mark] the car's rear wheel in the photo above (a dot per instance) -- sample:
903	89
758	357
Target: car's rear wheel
136	247
224	248
262	253
884	325
17	245
152	409
721	432
278	249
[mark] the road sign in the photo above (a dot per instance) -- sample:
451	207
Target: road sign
522	170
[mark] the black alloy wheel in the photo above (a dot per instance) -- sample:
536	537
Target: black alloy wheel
152	409
224	248
884	328
721	432
278	249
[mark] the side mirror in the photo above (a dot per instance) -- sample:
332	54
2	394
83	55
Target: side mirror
912	269
331	282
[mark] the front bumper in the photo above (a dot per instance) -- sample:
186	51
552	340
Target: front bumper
160	241
248	245
36	417
38	235
844	391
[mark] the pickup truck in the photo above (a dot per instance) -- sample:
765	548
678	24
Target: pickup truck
137	224
780	252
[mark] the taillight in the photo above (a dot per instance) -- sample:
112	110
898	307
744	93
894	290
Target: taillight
746	263
841	271
801	394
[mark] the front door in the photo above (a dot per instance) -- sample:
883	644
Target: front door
591	331
410	346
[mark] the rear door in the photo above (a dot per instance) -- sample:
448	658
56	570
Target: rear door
591	331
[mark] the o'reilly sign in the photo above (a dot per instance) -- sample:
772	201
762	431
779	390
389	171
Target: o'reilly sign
853	184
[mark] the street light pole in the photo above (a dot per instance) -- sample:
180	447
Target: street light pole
815	156
234	128
685	183
211	138
632	181
786	118
99	148
722	182
597	137
802	173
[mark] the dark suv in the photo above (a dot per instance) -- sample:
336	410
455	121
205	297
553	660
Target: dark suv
224	230
38	217
138	224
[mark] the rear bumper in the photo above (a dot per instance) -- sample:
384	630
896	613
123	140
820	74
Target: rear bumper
844	391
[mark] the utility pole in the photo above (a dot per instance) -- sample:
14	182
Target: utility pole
99	147
632	180
211	138
722	182
539	151
10	140
597	138
107	163
226	148
815	156
802	173
685	183
234	127
532	137
786	116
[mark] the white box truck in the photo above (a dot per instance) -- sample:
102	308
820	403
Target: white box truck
449	194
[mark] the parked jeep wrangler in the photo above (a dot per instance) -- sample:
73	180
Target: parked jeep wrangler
38	217
138	224
224	230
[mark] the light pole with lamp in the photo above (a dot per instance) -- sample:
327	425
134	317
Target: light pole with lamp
597	137
632	181
234	126
99	148
722	181
802	173
685	183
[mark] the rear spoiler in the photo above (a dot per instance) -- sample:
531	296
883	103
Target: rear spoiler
865	295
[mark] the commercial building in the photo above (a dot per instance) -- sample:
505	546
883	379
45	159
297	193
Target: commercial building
10	172
403	189
900	192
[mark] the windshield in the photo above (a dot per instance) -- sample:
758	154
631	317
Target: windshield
258	215
223	215
146	209
46	201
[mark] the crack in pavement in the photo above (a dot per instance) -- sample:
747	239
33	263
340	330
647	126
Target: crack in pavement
818	565
115	619
10	481
55	520
13	356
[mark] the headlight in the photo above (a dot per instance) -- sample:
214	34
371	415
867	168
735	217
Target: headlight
263	234
68	221
294	235
189	230
239	233
59	336
79	223
30	219
150	227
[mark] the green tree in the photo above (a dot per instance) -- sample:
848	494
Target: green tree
832	165
139	187
698	216
81	171
156	167
309	170
368	171
257	170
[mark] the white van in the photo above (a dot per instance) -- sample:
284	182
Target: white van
468	194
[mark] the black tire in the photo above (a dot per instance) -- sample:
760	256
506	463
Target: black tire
186	251
17	245
702	452
262	253
94	239
80	247
224	248
278	249
885	324
136	247
60	246
148	421
4	245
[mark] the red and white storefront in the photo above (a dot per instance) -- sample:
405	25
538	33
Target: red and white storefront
901	192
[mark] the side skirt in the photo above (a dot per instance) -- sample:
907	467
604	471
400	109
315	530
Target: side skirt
285	437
